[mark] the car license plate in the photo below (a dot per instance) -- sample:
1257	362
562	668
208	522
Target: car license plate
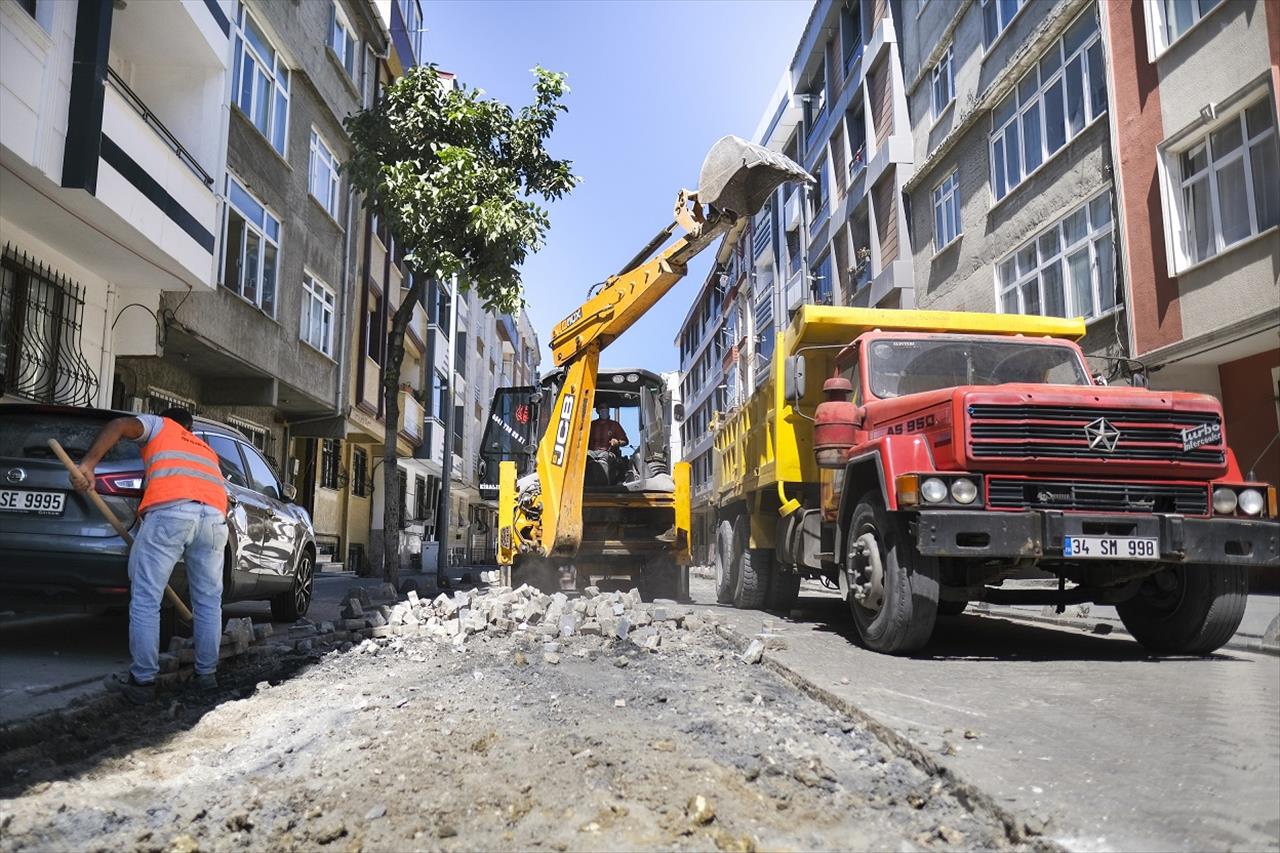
1111	547
25	500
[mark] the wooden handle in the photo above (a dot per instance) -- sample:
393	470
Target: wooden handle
184	612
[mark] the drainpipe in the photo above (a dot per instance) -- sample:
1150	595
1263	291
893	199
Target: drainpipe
445	511
339	396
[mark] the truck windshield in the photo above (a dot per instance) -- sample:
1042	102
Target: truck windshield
900	367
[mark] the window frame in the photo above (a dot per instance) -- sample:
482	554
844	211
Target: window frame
359	472
275	71
1014	125
948	57
265	239
947	191
1157	25
330	464
1178	221
1060	258
990	41
322	150
349	55
315	289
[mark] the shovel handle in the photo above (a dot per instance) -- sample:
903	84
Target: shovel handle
172	597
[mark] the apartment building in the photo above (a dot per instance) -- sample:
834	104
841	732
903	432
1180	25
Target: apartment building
1012	200
1194	87
112	170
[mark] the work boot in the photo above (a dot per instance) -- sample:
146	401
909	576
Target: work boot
207	682
131	689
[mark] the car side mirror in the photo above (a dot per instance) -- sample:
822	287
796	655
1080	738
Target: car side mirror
290	492
793	381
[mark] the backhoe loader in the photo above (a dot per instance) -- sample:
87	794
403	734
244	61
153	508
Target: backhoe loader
577	512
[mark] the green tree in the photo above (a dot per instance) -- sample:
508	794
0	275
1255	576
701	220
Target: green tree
456	176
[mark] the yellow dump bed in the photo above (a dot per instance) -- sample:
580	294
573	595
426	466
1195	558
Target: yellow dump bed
766	441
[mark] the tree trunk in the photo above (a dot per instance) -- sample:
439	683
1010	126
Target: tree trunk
391	413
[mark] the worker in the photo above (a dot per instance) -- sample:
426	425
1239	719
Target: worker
183	517
606	433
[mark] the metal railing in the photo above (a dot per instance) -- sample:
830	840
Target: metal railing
155	124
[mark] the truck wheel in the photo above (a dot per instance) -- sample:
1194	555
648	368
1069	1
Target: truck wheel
1187	610
725	562
752	564
784	589
894	590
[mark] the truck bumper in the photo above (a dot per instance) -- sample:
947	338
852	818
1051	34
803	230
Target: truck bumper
1039	535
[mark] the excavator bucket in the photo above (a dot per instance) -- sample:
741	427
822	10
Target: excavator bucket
739	176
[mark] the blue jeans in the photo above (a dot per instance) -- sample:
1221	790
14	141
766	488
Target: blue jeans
197	535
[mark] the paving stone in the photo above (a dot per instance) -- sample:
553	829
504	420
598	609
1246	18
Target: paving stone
352	609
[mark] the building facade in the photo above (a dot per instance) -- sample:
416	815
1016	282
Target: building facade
1194	88
112	170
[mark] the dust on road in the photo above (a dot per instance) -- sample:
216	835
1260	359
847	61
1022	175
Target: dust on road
414	743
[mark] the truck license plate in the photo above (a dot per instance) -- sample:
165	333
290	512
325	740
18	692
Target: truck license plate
1111	547
25	500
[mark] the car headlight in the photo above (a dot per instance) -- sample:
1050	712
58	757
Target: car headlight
1224	501
1250	502
933	490
964	491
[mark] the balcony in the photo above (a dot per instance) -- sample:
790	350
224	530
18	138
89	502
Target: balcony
795	290
416	331
761	233
411	418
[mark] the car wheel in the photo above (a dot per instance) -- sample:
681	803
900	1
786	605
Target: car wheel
293	605
1187	610
894	589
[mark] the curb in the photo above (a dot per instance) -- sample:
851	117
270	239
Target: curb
1239	643
969	795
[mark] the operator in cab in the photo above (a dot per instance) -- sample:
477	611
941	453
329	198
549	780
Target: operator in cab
183	517
606	433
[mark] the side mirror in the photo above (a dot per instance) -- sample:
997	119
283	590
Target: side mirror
677	411
290	492
793	379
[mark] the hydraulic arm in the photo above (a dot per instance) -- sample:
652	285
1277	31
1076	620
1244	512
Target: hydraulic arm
736	179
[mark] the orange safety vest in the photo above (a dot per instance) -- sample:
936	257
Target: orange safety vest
181	467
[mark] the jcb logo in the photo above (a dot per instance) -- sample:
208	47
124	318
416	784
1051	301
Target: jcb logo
562	430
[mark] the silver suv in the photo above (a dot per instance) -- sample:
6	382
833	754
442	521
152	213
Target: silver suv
56	548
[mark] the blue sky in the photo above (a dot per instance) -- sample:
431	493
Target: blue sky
654	84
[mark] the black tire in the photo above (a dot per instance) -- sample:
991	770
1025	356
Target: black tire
725	562
1187	610
751	568
904	619
951	608
293	605
784	589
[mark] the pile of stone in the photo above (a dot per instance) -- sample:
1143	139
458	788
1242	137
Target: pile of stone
525	612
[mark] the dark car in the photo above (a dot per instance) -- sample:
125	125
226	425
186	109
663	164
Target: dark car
55	548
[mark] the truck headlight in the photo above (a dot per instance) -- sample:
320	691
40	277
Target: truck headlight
964	491
933	490
1250	502
1224	501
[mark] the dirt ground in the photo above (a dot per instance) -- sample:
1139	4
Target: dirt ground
410	743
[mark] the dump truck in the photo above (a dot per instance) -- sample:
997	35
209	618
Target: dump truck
918	460
584	511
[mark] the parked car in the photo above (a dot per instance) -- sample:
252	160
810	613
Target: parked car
55	548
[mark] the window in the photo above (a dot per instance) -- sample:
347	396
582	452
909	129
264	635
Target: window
996	15
322	178
1051	104
342	40
815	103
851	32
258	435
822	281
1067	270
375	330
439	394
228	450
944	83
818	193
1168	20
317	314
1228	184
402	483
412	14
330	458
458	413
419	498
261	477
359	472
946	211
251	248
260	81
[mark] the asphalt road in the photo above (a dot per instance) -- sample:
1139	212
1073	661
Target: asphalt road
1115	750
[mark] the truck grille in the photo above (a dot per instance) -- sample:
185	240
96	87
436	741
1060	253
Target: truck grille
998	431
1003	493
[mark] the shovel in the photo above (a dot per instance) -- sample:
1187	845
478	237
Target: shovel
184	612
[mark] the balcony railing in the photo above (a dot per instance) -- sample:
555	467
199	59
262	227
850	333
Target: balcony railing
411	417
155	124
761	235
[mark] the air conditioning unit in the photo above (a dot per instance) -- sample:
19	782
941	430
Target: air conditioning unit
791	212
